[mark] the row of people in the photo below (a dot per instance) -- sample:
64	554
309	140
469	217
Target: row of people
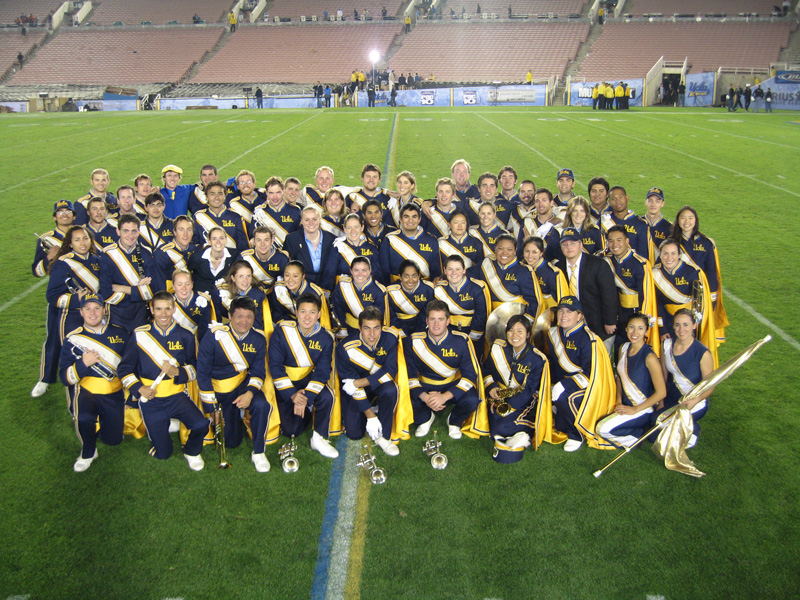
283	380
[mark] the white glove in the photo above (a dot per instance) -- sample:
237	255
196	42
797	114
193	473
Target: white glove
374	428
349	387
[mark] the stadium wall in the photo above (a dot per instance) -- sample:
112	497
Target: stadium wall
580	93
506	95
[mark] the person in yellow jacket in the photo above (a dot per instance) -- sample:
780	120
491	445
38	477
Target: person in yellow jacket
609	96
594	96
619	94
362	80
601	95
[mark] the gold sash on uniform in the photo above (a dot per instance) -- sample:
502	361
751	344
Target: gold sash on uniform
83	273
448	249
240	209
130	274
264	217
156	352
407	252
93	383
496	286
207	223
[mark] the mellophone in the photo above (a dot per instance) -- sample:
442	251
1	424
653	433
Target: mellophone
102	369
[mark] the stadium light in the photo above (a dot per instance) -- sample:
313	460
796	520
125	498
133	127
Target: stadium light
374	57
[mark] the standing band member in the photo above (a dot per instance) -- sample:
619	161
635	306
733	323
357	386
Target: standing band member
90	357
164	347
231	367
371	367
300	363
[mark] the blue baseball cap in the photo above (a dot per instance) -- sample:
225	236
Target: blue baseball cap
570	234
655	191
565	173
62	204
570	303
92	297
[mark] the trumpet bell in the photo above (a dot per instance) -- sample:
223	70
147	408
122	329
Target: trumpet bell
290	464
377	476
439	461
224	465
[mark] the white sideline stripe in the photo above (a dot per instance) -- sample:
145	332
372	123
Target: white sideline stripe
19	297
277	135
762	319
345	519
736	135
97	158
697	158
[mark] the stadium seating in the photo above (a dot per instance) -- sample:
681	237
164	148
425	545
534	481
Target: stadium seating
12	9
118	57
12	43
158	12
631	49
500	51
296	54
668	8
308	8
560	8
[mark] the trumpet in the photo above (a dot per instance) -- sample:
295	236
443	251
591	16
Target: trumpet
46	243
432	448
286	453
367	462
102	369
219	438
72	286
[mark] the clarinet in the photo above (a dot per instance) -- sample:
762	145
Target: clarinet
139	262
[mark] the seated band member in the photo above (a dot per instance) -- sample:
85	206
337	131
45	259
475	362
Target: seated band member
313	246
353	244
371	368
193	310
266	260
300	363
248	199
276	214
579	218
686	362
212	262
73	274
583	389
443	370
408	299
156	230
489	228
126	275
239	283
231	367
634	280
509	280
467	299
284	295
354	293
463	243
174	255
514	364
164	347
89	360
675	282
702	252
551	279
640	386
412	243
217	214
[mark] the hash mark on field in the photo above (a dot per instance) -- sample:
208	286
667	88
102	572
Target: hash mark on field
677	176
19	597
642	176
649	597
780	177
712	176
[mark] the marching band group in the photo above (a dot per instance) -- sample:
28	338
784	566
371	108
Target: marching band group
363	310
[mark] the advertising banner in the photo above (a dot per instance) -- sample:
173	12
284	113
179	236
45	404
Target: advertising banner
700	89
580	93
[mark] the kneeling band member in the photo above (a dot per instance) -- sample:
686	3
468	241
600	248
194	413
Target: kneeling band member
300	362
442	370
371	367
231	366
640	386
516	367
89	359
584	385
164	347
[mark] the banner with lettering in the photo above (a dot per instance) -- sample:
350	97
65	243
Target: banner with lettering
701	89
580	93
785	95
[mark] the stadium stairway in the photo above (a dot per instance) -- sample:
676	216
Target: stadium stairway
192	70
791	54
28	56
573	65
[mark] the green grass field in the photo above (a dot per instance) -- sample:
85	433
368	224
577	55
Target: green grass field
134	527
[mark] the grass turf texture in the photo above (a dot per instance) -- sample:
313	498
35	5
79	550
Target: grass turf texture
543	528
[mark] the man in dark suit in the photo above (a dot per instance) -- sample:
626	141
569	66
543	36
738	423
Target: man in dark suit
592	281
313	247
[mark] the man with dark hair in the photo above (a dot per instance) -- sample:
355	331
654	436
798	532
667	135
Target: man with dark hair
217	215
443	370
565	182
371	367
158	363
231	368
526	204
197	199
99	189
542	224
598	196
103	231
620	215
370	180
300	363
175	254
156	230
410	242
282	218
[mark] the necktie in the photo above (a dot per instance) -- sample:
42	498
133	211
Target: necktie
573	282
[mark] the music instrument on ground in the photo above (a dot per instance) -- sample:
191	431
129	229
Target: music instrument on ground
219	438
432	448
286	453
367	461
